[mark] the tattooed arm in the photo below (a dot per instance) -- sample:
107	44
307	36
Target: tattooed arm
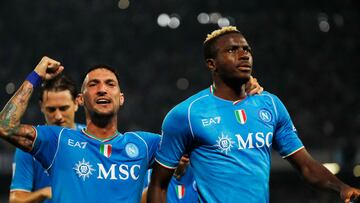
22	136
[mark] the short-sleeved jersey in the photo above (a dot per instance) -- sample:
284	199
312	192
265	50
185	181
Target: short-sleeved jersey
85	169
229	143
28	174
182	190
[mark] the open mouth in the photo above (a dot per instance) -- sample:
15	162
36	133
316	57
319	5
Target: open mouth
103	101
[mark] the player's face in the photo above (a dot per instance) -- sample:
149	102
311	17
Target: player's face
101	93
59	108
233	59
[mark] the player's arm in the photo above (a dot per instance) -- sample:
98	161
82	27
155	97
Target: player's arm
11	130
316	174
160	179
144	196
253	87
30	197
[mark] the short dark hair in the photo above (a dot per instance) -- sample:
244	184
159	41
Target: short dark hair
102	66
59	83
211	40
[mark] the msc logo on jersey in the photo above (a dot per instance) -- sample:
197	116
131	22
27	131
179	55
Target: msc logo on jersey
265	115
224	143
132	150
83	169
250	141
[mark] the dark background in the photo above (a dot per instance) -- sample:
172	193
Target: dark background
305	52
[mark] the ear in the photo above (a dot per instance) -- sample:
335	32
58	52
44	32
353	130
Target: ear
76	102
79	100
121	99
41	107
210	63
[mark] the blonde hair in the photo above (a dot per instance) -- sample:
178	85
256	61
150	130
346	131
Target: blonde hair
220	31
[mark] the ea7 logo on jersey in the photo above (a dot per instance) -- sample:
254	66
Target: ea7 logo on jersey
211	121
74	143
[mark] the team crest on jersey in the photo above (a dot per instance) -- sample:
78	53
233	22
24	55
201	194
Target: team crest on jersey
224	143
84	169
180	191
240	116
132	150
106	150
265	115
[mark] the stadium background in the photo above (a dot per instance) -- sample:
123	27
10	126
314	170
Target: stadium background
306	52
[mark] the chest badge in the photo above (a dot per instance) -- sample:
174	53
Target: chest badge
240	116
132	150
265	115
106	149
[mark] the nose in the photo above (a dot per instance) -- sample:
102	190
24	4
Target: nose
101	89
58	115
244	54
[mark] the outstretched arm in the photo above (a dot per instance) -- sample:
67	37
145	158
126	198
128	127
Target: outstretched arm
160	179
317	175
11	130
30	197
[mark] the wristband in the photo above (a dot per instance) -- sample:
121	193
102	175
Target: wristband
34	79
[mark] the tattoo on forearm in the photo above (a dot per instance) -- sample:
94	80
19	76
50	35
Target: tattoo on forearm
10	128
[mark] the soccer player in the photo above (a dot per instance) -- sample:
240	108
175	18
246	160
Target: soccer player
30	182
229	135
96	164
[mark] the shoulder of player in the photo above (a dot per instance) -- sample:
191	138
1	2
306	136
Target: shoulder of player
265	96
20	154
144	136
182	108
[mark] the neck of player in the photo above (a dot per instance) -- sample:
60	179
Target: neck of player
101	128
232	91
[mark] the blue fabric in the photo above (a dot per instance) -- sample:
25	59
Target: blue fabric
187	182
28	174
81	172
229	143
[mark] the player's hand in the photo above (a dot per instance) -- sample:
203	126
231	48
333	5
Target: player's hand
48	68
253	87
348	193
46	192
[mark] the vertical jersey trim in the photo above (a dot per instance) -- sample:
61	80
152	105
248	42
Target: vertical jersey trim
272	101
147	148
57	149
189	114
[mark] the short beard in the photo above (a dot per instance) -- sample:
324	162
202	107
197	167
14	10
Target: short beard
101	120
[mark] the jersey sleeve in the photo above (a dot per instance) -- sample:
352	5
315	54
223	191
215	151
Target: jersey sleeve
46	144
286	138
176	138
23	172
152	141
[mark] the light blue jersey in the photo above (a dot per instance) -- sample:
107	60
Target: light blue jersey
28	174
85	169
229	144
182	190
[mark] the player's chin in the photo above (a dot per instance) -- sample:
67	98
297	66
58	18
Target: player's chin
244	76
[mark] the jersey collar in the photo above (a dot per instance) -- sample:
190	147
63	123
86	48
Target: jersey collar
212	91
99	139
